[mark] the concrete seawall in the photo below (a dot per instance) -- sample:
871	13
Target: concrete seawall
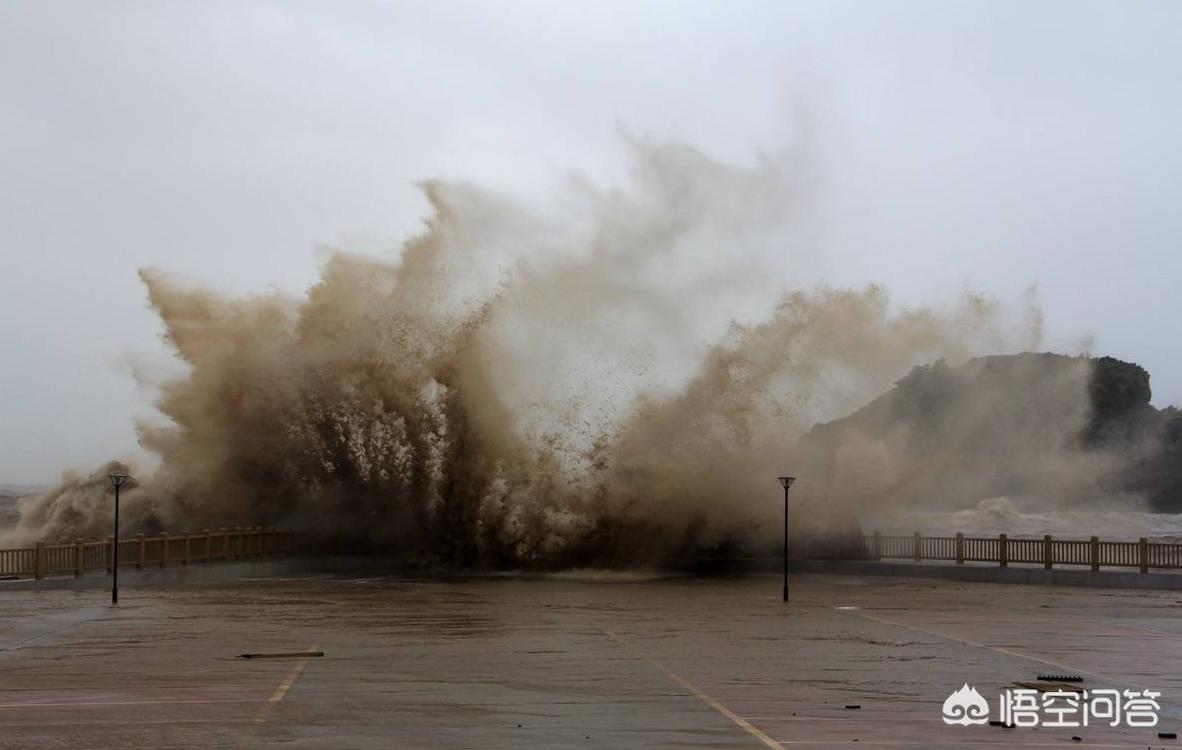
131	578
1106	579
148	577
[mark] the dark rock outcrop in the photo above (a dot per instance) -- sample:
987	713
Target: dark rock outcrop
1071	429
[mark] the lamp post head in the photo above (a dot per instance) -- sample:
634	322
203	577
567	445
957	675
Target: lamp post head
787	481
118	480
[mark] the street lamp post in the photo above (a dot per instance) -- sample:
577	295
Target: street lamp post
787	482
117	480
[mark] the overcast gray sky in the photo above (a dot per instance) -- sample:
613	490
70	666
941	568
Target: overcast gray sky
992	145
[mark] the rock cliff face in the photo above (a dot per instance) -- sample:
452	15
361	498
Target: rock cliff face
1070	430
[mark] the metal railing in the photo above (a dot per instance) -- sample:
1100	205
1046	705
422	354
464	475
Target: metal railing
139	551
1004	550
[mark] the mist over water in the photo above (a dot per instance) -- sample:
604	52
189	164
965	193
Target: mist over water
1032	518
613	376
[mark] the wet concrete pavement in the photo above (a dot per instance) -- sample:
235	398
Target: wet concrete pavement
568	663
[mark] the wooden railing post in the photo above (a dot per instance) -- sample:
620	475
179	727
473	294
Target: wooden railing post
1003	552
1046	551
876	544
918	547
960	548
247	542
1094	544
1143	550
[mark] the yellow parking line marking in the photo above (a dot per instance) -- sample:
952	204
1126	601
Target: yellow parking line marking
281	690
739	721
750	728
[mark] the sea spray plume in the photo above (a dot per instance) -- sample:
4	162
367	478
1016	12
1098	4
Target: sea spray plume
707	452
359	412
531	385
350	417
389	382
78	506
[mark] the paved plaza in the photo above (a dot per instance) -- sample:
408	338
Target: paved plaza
568	662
